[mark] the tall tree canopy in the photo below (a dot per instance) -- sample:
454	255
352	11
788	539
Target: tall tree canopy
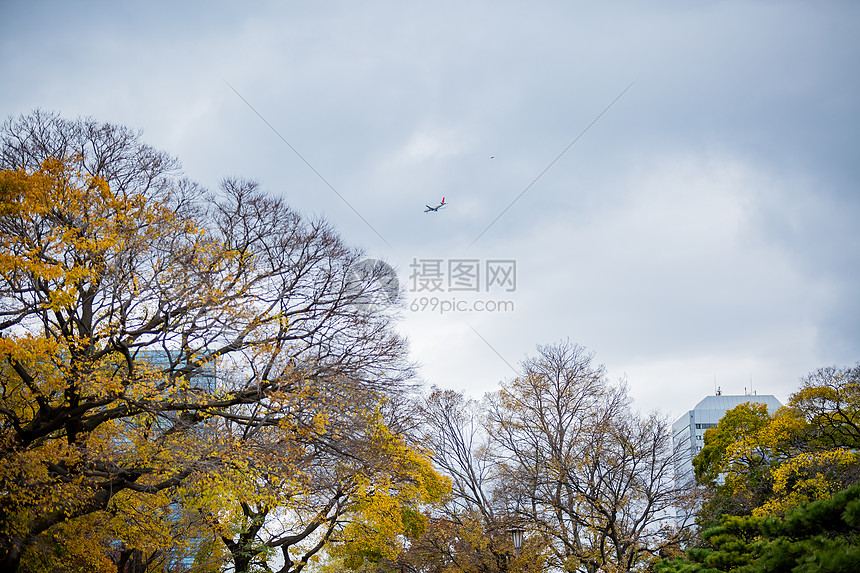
592	478
558	455
157	339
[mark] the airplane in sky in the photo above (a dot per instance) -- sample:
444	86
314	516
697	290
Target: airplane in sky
436	208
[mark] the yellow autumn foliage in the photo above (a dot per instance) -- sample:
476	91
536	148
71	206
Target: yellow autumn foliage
806	477
173	364
804	452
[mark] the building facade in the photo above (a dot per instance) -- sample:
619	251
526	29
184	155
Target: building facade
689	429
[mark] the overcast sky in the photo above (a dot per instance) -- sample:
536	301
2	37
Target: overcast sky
704	229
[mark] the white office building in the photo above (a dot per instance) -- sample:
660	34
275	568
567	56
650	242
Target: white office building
689	430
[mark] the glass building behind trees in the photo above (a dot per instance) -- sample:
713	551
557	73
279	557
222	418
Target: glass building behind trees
689	430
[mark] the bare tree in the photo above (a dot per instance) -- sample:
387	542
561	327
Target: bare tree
591	477
459	443
472	530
